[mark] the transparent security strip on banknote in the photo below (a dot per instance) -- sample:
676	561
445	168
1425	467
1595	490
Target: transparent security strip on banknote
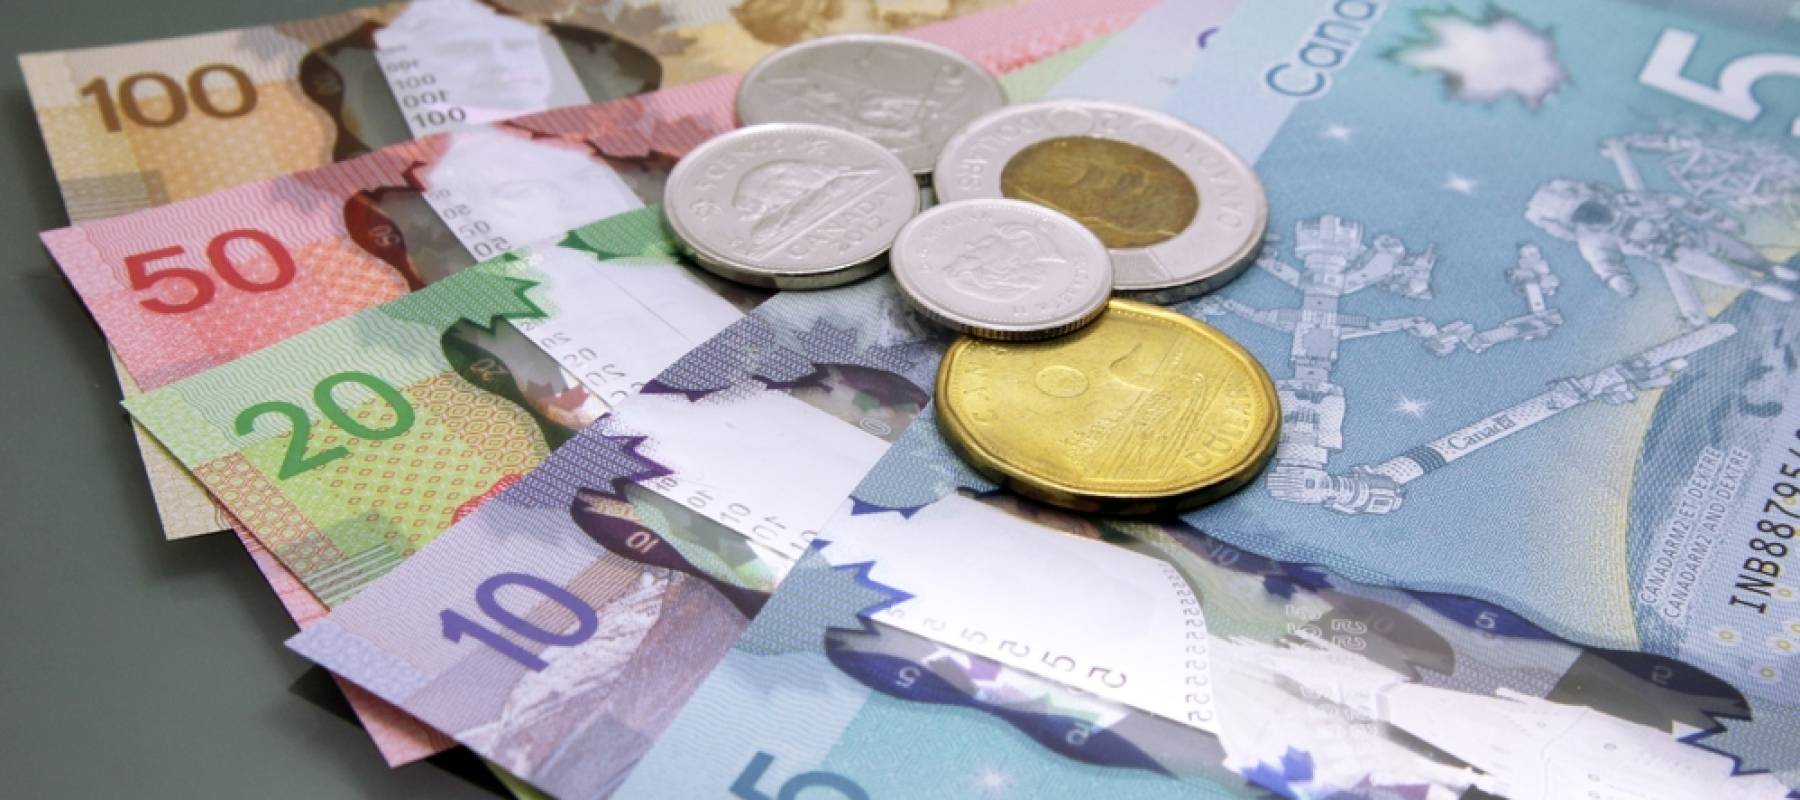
558	627
171	286
681	494
348	447
138	125
1143	64
851	685
712	480
840	419
1529	304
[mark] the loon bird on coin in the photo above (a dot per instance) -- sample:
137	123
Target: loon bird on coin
1143	411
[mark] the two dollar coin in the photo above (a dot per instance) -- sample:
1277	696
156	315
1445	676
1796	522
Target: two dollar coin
1048	212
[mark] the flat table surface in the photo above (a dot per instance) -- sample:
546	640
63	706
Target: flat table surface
131	666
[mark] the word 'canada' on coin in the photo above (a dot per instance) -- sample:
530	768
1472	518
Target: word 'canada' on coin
790	205
1145	411
908	95
1182	213
1002	269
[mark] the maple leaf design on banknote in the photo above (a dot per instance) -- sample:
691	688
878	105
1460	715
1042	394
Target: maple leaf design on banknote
348	447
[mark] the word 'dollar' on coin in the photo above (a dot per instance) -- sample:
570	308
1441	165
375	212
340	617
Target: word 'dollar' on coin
908	95
790	205
1143	411
1002	269
1180	211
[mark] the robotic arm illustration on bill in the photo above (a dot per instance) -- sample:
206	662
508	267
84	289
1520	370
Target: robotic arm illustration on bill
1689	235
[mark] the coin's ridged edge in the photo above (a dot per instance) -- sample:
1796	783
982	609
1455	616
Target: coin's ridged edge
799	281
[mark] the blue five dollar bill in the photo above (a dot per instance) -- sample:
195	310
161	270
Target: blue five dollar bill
1530	304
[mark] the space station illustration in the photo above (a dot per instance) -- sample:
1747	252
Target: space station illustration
1689	236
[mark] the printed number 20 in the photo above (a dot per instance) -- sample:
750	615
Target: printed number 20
456	625
1732	96
297	461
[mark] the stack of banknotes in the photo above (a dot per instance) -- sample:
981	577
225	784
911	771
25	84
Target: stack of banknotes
391	298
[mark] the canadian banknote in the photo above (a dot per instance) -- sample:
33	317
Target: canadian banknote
830	363
411	212
868	675
1143	64
136	125
346	448
399	737
627	563
1529	303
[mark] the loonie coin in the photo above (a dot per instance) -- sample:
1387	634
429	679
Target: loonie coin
1145	410
1181	212
789	205
908	95
1003	269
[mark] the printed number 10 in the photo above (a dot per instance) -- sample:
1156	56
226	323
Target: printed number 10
456	625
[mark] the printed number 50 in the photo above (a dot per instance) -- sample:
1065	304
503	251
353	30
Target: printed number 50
1732	96
137	271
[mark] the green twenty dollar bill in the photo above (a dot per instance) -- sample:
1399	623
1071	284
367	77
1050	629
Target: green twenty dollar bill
348	447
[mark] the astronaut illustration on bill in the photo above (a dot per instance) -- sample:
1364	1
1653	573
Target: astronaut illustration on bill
1692	234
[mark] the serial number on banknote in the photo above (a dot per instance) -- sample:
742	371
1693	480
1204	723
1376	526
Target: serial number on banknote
1771	539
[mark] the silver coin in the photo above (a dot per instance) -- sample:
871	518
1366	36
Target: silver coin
789	205
1003	269
1181	213
910	96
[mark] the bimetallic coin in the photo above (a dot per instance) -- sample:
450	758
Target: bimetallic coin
1002	269
789	205
908	95
1181	212
1143	411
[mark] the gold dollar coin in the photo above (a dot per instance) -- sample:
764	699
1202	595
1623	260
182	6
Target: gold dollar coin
1143	411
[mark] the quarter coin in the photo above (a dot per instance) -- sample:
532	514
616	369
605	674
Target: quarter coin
1143	411
1002	269
910	96
1180	211
789	205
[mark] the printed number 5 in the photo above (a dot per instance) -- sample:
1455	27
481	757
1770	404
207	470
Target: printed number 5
745	785
1732	96
297	461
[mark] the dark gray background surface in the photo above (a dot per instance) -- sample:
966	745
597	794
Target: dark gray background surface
131	666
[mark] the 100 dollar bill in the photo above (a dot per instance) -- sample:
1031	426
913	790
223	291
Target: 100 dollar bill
138	125
348	447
